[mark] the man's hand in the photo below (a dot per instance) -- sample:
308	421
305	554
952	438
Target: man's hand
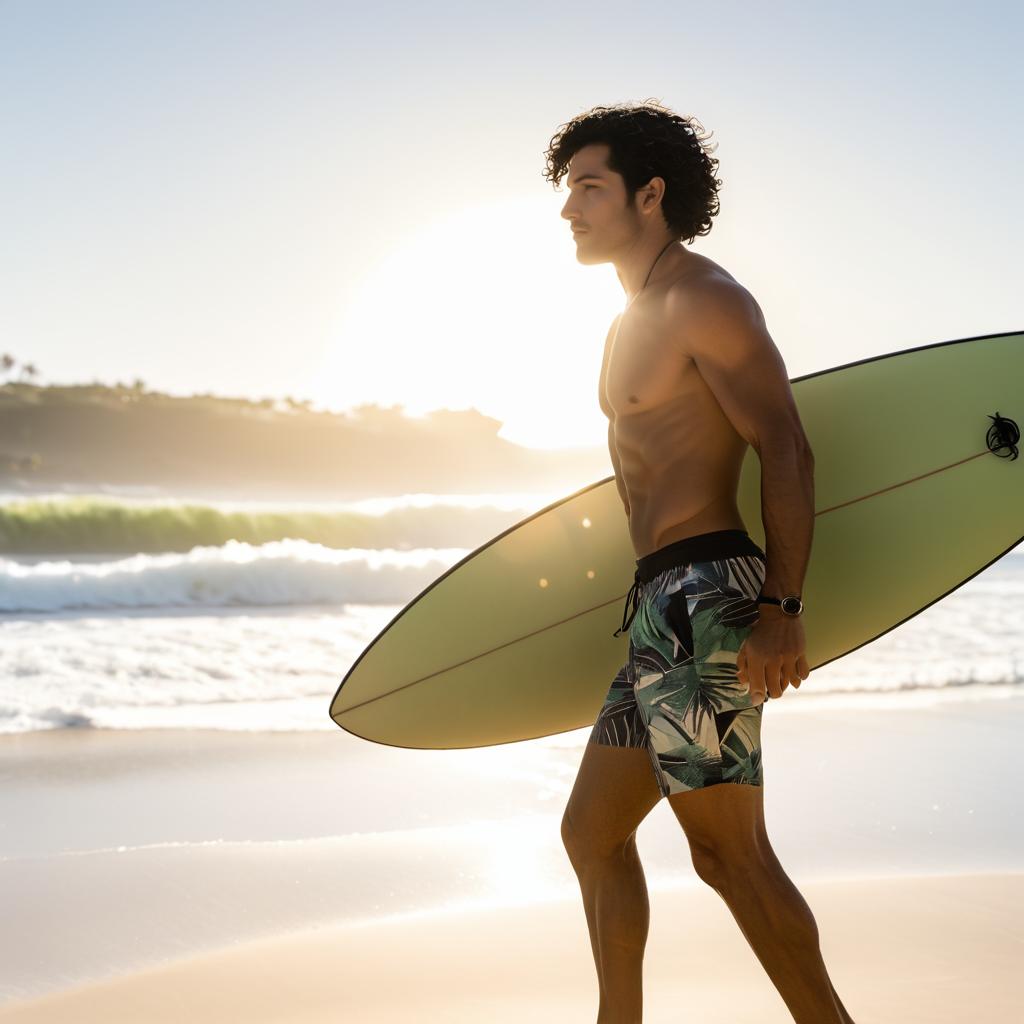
772	656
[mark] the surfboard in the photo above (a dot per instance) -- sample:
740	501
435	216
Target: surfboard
918	488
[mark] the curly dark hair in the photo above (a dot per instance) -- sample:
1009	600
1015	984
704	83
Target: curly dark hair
648	140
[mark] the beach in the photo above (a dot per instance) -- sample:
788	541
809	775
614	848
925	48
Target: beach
924	950
291	458
159	875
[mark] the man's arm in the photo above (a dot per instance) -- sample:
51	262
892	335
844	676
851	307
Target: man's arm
721	327
619	483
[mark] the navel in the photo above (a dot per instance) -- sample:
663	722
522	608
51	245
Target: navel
634	399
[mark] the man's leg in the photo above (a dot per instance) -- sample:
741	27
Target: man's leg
615	789
724	825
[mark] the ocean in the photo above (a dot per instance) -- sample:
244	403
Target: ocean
255	635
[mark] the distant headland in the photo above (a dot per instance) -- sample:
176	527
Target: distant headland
127	435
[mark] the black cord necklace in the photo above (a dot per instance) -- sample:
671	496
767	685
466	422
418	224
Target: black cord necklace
651	271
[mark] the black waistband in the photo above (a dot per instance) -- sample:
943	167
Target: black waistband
704	547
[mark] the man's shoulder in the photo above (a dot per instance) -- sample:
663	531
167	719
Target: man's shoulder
708	287
709	306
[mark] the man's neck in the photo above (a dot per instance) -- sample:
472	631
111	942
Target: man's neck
641	262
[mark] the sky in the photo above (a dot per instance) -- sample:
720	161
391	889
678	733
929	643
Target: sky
345	203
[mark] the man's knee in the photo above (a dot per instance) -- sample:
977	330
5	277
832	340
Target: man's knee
570	838
728	861
724	829
586	845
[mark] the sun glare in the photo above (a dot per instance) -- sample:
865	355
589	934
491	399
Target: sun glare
487	308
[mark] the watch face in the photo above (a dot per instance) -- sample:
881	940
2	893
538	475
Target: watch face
793	605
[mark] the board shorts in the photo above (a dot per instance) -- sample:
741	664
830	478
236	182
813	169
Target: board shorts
678	695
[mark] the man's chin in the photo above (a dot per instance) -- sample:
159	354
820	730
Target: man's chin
587	257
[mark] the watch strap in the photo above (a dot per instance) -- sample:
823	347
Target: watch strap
781	602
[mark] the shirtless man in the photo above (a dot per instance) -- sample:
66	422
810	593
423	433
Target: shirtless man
689	378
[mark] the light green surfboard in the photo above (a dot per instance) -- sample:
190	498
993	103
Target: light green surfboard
918	488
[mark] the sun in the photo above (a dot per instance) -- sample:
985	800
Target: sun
486	308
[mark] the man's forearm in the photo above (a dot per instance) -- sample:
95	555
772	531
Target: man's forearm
787	512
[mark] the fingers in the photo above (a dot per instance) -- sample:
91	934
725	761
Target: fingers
764	680
771	681
743	673
797	671
802	667
757	684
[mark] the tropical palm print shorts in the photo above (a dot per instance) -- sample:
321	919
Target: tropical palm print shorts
679	695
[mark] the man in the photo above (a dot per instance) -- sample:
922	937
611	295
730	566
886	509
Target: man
689	378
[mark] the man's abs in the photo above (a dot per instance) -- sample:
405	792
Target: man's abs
677	489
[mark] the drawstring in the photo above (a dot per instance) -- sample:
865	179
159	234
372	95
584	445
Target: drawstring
634	597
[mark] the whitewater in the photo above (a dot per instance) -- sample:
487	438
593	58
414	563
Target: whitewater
257	636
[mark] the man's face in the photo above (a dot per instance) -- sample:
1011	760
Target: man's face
597	206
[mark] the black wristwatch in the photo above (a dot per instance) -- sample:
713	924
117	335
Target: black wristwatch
789	605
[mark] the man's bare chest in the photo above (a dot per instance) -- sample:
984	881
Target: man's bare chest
645	370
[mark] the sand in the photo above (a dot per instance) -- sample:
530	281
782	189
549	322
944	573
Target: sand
210	876
908	950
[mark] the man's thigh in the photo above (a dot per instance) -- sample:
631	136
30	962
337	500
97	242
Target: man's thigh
615	790
725	819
